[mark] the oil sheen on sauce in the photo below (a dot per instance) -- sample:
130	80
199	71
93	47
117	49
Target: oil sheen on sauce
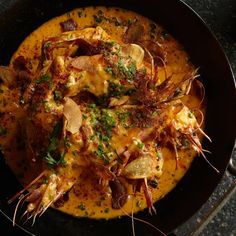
85	199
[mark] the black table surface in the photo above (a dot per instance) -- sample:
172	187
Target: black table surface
220	16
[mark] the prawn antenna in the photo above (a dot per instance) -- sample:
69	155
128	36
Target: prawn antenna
133	218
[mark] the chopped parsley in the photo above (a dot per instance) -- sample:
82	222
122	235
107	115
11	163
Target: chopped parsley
45	181
101	153
107	120
121	66
57	95
51	161
186	143
116	90
123	118
47	45
131	71
62	160
92	105
85	117
140	145
190	115
82	207
45	79
129	21
103	122
75	153
104	125
158	154
118	156
99	17
128	72
67	142
51	158
92	137
55	136
111	43
109	70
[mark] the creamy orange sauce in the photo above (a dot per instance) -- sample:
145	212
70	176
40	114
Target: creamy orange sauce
86	199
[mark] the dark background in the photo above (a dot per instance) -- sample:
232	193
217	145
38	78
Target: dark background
220	16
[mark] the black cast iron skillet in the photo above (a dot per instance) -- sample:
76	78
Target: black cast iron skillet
20	17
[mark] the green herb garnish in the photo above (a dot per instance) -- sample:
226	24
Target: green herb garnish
140	145
53	144
92	105
123	118
190	115
62	160
67	142
107	120
57	95
128	72
100	152
109	70
99	17
50	160
118	156
45	79
82	207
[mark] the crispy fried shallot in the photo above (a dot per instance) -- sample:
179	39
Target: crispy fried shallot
72	115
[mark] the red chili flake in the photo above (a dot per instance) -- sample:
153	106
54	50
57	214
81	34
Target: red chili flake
123	82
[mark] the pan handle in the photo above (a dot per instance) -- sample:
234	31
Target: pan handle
232	163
